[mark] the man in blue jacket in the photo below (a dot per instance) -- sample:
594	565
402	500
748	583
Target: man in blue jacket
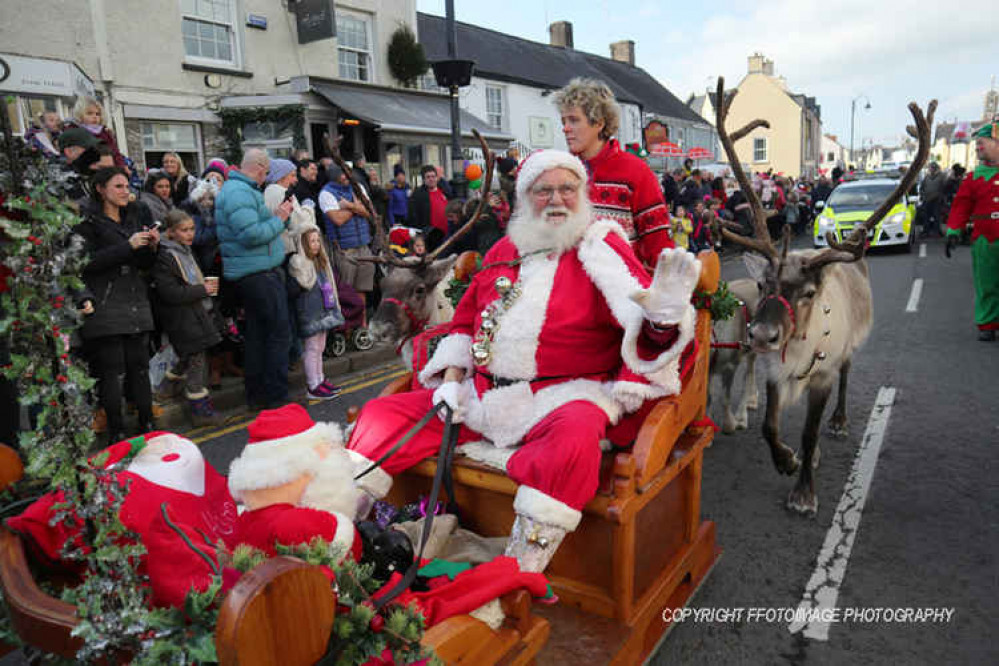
252	254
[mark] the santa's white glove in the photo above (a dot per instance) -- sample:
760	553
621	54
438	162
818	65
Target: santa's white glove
668	297
455	394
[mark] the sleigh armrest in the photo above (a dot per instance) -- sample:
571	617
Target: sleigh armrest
40	620
280	612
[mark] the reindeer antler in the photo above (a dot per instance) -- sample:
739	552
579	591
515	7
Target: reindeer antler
761	243
490	162
854	247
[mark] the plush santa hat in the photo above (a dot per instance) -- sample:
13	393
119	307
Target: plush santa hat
544	160
282	448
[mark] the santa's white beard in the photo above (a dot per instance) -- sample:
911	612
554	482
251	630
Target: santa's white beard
547	231
332	489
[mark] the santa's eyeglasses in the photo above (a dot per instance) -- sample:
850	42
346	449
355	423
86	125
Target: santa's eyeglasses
547	193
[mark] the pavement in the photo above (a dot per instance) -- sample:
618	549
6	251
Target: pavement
230	399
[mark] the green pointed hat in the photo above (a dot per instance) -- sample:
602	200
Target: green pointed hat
988	130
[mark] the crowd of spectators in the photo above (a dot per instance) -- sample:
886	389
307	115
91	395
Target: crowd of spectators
245	269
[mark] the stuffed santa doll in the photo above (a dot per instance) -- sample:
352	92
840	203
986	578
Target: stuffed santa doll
296	481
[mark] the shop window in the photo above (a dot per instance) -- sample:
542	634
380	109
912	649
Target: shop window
23	110
274	136
209	31
161	138
353	36
494	106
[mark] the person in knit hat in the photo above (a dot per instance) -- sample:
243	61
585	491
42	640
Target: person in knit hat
977	201
215	172
560	333
296	481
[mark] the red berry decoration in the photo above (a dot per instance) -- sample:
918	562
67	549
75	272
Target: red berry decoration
377	624
62	379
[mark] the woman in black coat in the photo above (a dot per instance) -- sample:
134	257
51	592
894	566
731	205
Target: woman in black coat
120	243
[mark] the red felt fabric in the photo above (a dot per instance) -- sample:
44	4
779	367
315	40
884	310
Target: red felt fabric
173	566
289	525
471	589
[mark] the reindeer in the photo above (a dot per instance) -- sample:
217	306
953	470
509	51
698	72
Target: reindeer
412	292
815	310
730	351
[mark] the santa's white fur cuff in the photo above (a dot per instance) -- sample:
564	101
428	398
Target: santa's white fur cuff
546	509
454	350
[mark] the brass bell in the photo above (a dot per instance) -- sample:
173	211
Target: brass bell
537	539
503	284
480	353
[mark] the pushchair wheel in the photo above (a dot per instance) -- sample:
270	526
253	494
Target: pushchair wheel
337	345
362	339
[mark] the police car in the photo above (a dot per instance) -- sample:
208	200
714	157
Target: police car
851	203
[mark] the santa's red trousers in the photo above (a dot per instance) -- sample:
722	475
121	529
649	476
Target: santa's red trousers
560	456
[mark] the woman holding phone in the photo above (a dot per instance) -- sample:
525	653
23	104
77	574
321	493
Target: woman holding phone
121	241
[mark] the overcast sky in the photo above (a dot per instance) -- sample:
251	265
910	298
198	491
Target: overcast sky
892	51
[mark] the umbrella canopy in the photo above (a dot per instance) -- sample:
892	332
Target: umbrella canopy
666	149
699	153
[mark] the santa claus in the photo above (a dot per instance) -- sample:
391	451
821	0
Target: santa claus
296	482
559	334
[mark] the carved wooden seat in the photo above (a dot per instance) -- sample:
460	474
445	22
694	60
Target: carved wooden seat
641	546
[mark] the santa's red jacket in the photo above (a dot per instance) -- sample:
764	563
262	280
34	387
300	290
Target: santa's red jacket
573	334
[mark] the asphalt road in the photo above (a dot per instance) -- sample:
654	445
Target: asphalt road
927	536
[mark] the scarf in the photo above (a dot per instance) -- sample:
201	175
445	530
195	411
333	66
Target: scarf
188	266
93	129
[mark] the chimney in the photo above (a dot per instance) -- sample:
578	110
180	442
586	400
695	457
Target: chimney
623	51
560	34
760	64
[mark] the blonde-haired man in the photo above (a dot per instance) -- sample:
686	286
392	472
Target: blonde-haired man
621	186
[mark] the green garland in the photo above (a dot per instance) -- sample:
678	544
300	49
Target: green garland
722	303
234	119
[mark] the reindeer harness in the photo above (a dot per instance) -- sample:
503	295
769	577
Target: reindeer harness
416	324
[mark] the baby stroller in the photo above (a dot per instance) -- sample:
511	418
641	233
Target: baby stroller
353	331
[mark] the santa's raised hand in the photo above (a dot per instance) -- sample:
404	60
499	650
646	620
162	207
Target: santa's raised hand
668	297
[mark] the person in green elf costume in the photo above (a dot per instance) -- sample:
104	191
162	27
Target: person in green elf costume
977	201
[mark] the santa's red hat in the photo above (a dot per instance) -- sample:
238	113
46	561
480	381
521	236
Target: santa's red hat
544	160
282	448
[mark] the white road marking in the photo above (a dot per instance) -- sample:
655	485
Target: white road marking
922	250
822	589
917	290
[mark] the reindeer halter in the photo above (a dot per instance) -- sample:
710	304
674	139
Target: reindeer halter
790	313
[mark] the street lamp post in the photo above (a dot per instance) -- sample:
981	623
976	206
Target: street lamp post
853	112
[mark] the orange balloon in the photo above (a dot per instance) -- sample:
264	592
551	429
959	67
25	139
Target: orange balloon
473	172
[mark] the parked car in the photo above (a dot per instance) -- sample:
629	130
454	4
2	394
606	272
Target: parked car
855	201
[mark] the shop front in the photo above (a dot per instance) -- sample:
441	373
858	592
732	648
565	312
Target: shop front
32	86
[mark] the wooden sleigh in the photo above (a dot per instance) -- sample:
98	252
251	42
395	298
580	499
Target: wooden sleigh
641	547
